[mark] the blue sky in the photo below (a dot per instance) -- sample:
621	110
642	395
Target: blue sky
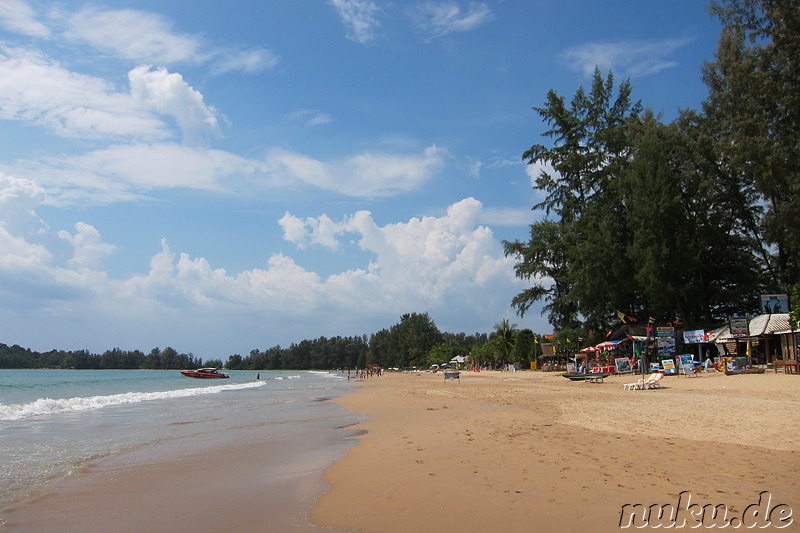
225	176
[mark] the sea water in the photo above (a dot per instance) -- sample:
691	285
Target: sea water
54	422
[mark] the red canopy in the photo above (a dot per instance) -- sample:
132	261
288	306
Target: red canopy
607	345
589	349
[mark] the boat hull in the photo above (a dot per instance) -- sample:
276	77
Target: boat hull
204	375
583	377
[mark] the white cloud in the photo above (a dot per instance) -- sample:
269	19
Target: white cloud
310	117
34	88
135	35
534	170
18	201
359	17
145	37
322	231
423	263
630	58
88	247
437	19
18	16
364	175
509	216
169	94
447	265
122	172
251	60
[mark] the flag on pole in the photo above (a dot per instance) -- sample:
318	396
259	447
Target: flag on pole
621	316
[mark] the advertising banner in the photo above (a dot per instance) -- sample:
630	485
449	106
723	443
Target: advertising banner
694	337
774	303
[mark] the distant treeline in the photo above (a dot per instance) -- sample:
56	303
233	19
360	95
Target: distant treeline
414	342
167	359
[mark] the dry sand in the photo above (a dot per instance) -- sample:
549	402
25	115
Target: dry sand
533	451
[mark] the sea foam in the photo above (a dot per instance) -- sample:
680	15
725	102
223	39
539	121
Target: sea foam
49	406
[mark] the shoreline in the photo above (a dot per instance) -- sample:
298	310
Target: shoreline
532	451
253	476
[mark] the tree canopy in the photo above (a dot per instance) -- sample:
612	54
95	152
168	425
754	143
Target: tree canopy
693	218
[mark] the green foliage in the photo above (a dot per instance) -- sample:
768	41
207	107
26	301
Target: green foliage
696	217
754	98
524	346
795	316
321	353
18	357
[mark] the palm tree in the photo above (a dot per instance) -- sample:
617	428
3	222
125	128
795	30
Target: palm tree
503	337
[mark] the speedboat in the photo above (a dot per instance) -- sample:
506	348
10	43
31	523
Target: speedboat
205	373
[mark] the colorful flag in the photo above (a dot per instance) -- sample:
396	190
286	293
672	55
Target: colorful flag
621	316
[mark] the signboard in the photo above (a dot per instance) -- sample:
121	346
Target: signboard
739	327
669	366
666	347
664	331
687	362
623	365
696	336
774	303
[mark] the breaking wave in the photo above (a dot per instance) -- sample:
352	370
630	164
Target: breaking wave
48	406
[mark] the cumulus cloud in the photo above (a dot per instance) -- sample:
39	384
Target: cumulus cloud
169	94
437	19
88	247
422	263
18	16
364	175
30	273
631	58
359	17
37	89
448	265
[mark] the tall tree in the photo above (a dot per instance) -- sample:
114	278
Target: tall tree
754	95
570	250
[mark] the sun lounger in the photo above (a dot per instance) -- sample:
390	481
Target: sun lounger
654	382
640	384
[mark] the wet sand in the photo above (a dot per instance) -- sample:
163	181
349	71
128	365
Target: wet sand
533	451
259	478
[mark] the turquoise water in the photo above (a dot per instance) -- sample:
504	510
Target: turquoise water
54	422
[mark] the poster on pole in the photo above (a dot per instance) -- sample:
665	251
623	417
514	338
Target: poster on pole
696	336
623	365
687	363
669	366
666	347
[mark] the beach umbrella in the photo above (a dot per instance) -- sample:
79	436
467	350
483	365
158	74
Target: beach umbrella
607	345
589	349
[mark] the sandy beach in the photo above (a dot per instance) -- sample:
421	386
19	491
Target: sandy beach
530	451
524	451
